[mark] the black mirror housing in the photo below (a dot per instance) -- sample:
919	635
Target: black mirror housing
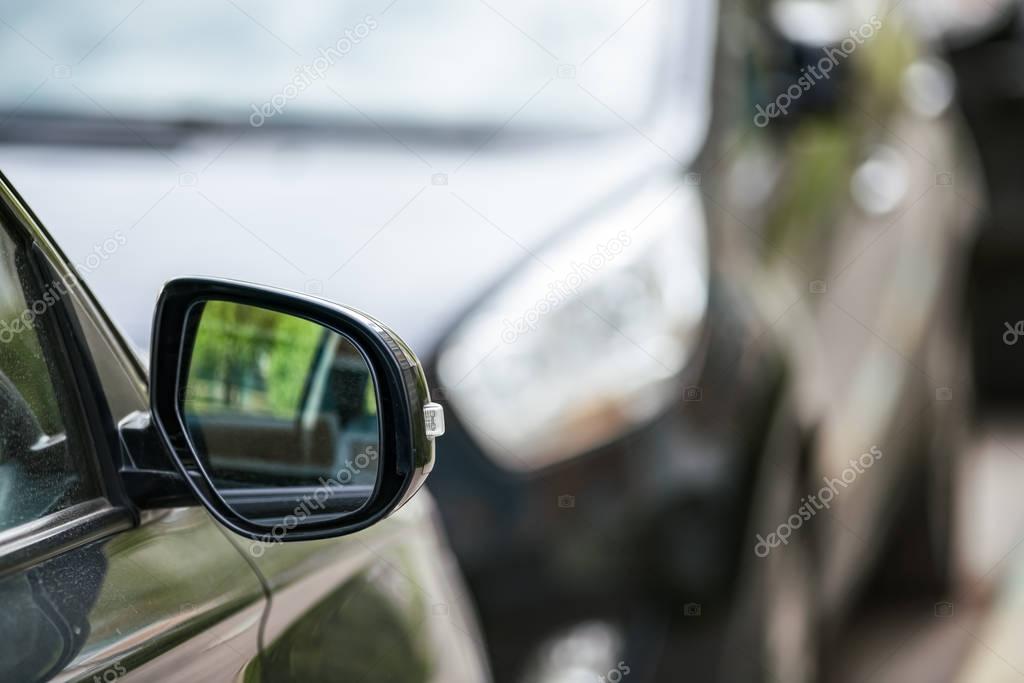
408	422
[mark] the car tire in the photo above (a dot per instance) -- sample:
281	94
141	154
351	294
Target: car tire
919	559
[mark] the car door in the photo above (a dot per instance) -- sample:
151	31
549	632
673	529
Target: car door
90	591
846	178
382	605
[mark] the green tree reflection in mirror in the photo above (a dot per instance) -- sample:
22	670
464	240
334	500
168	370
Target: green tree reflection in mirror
273	400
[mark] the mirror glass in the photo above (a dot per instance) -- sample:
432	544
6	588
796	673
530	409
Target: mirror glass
282	413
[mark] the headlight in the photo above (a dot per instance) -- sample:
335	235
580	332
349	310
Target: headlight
589	338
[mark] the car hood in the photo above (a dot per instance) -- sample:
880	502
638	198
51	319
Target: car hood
412	237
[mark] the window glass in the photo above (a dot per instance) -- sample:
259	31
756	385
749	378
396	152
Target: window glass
37	474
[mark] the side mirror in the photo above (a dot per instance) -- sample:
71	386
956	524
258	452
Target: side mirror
291	418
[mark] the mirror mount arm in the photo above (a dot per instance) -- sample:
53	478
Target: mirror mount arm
149	477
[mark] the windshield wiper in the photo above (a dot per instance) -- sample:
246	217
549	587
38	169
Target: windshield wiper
59	128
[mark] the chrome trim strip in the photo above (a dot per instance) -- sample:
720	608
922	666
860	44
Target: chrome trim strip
43	538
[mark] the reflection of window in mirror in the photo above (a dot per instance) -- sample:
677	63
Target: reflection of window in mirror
340	407
273	398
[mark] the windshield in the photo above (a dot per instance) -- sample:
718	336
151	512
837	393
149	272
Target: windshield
451	63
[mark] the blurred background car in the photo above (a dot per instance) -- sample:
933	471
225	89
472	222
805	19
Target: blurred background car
859	198
984	49
674	268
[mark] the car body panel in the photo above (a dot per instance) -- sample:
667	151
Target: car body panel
859	232
381	605
357	211
162	610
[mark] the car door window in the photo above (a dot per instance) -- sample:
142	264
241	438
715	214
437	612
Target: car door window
37	474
